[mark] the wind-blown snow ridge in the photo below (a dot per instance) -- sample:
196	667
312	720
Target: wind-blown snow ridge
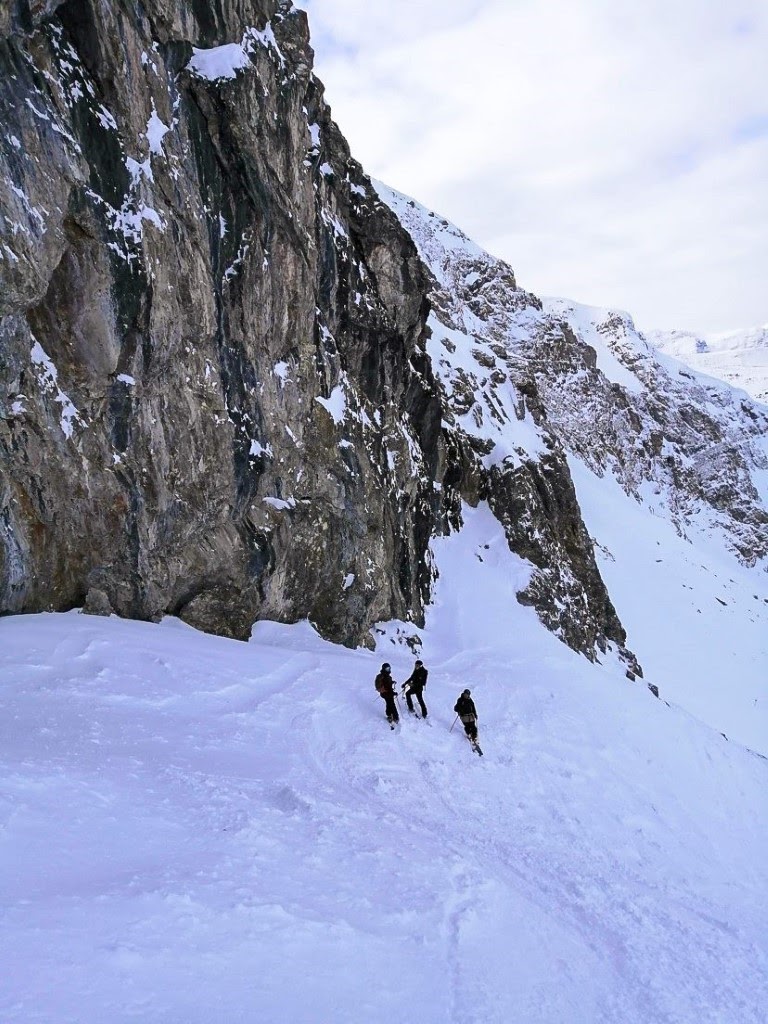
200	830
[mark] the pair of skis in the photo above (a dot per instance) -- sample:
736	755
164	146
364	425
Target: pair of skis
472	742
475	746
423	718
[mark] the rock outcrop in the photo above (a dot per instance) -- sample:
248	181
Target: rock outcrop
214	396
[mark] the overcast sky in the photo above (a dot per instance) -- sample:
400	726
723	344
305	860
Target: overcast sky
612	151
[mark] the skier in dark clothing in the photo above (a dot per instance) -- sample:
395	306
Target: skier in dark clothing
465	709
385	686
414	687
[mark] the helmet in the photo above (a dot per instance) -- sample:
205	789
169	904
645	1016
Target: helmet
386	667
419	662
465	693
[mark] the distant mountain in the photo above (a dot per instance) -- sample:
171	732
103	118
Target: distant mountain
738	357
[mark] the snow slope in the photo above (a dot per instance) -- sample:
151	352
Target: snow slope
670	466
698	617
196	830
738	357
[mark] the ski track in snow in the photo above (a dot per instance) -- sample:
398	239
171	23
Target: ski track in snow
196	830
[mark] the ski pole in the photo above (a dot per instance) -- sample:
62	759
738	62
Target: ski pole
454	723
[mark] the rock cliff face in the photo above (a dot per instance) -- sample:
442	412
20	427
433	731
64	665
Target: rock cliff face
236	384
214	395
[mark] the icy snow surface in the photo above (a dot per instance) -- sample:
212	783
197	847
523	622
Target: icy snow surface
197	831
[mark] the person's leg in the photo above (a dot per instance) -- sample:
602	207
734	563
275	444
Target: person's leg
392	714
422	704
409	699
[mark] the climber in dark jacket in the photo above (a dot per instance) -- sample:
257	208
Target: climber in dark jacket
465	709
385	686
414	687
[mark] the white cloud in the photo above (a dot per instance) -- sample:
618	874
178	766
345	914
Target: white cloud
612	151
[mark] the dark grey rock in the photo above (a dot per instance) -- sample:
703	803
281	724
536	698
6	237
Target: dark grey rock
190	269
97	603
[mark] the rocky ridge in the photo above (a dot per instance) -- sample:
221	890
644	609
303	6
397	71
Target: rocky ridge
529	384
481	331
692	448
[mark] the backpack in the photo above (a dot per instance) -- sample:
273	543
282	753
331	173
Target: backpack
384	684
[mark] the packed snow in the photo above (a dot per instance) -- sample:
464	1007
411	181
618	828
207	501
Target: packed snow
335	404
223	62
48	380
156	132
199	830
